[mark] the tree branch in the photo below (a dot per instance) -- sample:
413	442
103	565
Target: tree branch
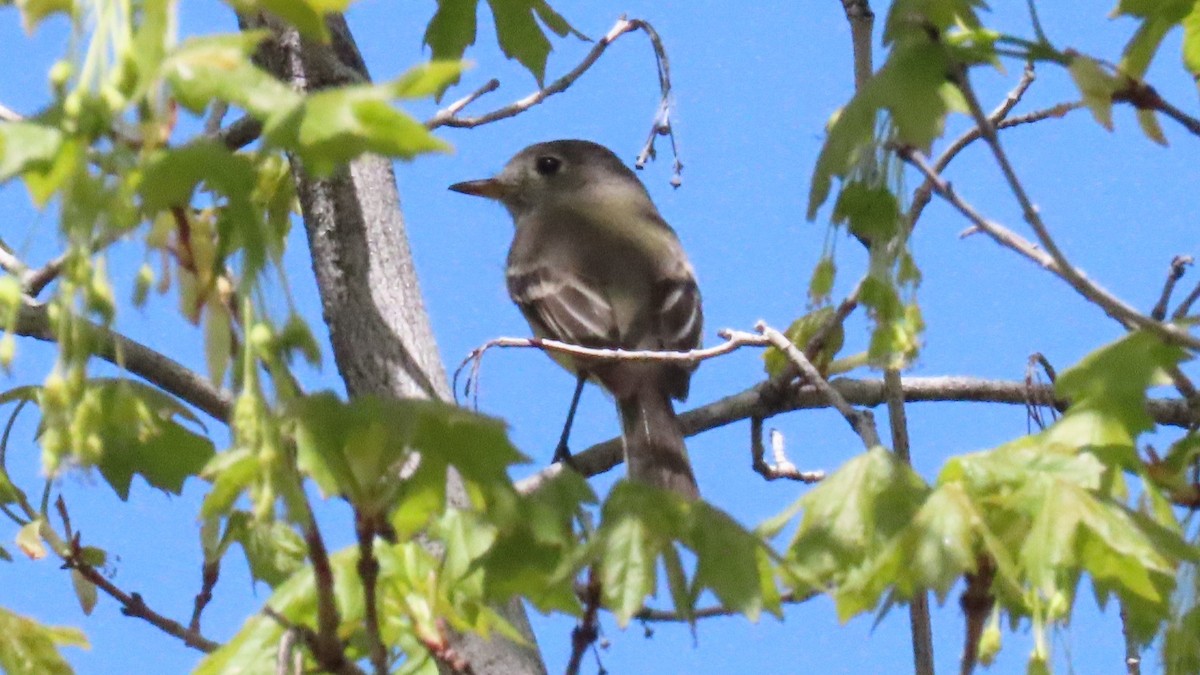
152	366
767	400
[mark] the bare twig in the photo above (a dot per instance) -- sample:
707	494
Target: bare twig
1133	656
560	85
1184	307
327	647
132	604
1033	409
733	340
924	193
1111	305
585	633
453	109
368	571
1145	97
918	609
782	467
1053	262
210	571
862	22
663	616
976	602
1179	265
862	421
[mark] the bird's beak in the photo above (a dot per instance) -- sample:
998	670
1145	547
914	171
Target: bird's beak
489	187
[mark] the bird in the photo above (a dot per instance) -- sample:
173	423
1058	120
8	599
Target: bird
593	263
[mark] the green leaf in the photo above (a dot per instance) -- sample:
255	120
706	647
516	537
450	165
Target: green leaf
361	449
1141	48
520	35
332	127
452	29
273	549
537	553
853	513
134	430
912	87
1191	42
1097	87
218	340
29	648
821	284
231	472
427	79
34	11
1107	390
871	212
727	560
627	565
1148	121
85	592
307	16
203	69
172	176
27	146
802	330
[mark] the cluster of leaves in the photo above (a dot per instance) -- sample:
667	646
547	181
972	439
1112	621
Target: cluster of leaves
1035	515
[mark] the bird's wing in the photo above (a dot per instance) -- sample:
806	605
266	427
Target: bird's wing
680	318
563	306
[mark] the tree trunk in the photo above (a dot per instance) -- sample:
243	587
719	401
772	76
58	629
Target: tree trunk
382	339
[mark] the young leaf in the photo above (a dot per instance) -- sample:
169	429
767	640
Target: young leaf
28	648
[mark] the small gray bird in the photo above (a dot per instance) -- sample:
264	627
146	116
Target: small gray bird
594	264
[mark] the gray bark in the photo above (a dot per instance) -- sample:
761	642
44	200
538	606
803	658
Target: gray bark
382	340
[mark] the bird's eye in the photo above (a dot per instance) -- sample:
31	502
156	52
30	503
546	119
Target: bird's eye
547	165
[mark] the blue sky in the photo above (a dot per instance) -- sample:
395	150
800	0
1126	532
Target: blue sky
753	91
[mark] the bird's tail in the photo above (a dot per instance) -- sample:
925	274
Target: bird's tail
654	448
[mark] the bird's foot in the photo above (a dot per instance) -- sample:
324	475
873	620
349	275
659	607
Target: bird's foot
562	455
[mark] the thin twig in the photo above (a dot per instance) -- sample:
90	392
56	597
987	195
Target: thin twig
918	609
560	85
210	572
588	629
132	604
327	648
665	616
662	125
862	22
1133	656
734	340
1145	97
1111	305
453	109
782	467
1179	265
862	421
924	193
1184	307
368	571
